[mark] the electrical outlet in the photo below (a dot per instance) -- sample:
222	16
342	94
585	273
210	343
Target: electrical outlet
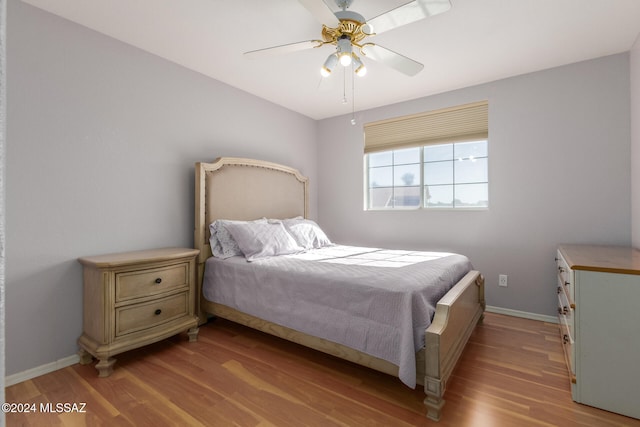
502	280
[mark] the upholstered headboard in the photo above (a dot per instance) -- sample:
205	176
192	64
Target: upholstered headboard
245	189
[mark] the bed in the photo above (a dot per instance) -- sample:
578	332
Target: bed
254	191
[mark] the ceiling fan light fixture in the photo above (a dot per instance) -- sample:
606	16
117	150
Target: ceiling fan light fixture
359	66
329	65
345	59
344	51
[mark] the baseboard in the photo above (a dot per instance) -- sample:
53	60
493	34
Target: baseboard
523	314
72	360
41	370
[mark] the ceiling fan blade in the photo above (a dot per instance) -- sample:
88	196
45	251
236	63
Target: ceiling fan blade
392	59
283	49
406	14
321	12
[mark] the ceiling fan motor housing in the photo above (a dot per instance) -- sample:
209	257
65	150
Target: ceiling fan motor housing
352	26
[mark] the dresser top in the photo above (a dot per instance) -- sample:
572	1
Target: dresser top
608	259
136	257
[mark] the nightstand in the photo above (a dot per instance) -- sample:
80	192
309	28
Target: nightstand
132	299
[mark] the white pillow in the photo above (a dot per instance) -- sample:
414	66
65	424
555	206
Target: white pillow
222	243
307	233
263	239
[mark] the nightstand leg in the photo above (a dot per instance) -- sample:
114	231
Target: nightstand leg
105	367
193	334
85	357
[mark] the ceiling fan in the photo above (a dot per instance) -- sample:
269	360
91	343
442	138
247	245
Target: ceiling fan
347	30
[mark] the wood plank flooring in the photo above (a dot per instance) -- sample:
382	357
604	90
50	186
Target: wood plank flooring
512	373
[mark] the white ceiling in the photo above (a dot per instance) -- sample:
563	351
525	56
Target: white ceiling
476	41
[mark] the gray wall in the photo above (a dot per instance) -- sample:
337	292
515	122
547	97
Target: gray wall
3	133
635	141
102	141
559	171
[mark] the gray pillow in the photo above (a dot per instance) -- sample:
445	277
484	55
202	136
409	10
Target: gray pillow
222	243
263	239
307	233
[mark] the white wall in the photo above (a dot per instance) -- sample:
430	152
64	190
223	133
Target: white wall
635	142
102	141
559	172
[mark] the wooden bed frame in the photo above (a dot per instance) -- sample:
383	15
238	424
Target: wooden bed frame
246	189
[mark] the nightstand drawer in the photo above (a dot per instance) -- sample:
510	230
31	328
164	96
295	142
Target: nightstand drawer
143	283
146	315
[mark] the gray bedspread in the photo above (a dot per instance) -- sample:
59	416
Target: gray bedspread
373	300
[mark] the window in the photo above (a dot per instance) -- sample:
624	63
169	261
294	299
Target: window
453	175
456	175
394	178
437	159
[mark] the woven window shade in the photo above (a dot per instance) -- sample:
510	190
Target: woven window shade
456	124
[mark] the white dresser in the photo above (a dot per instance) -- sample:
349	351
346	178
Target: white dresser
599	316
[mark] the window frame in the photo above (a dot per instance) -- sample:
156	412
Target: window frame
422	203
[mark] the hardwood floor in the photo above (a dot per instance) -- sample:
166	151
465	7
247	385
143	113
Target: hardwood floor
512	373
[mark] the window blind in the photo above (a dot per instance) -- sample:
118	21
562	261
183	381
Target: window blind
455	124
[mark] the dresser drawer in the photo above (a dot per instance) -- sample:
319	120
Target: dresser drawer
154	281
566	315
564	306
565	278
566	287
136	317
568	347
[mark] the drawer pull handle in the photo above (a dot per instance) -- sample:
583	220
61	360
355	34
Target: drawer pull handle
565	338
561	269
567	283
157	312
559	289
159	280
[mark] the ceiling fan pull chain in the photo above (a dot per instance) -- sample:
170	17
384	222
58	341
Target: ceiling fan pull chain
353	96
344	85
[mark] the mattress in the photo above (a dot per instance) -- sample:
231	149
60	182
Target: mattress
373	300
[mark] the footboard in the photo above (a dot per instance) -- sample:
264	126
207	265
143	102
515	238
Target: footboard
457	314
